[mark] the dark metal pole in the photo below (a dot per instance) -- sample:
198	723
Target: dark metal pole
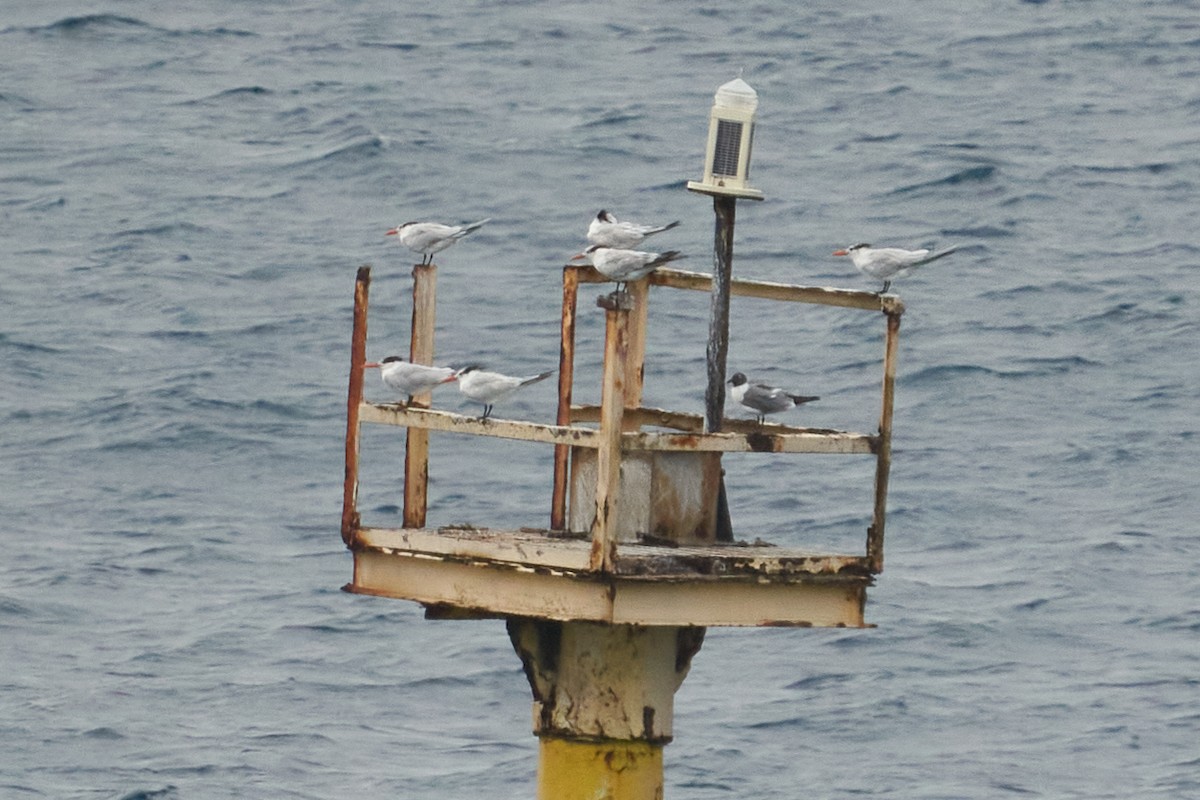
718	340
718	319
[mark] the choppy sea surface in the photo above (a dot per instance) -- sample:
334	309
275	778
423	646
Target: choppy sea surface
187	190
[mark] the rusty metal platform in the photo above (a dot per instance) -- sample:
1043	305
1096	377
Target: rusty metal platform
635	535
543	574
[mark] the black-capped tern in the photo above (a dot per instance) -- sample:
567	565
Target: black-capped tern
608	231
410	379
428	238
763	399
887	263
490	388
621	265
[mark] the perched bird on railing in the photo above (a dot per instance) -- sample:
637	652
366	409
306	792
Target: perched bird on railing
428	238
887	263
408	378
608	231
490	388
763	399
625	265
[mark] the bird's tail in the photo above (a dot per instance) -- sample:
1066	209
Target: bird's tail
936	256
474	226
663	258
666	227
802	398
536	378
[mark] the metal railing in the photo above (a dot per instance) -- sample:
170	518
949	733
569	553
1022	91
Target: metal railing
620	414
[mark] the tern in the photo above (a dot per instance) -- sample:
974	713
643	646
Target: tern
490	388
410	379
623	266
608	231
763	399
428	238
887	263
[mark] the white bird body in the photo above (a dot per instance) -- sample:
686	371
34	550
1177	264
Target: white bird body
428	238
410	379
490	388
625	265
888	263
607	231
763	399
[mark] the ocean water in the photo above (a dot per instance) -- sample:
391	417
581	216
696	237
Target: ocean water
187	191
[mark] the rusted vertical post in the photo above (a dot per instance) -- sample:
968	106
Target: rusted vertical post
358	357
612	412
883	464
566	382
725	209
416	441
635	363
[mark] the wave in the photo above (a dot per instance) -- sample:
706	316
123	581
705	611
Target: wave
485	44
1152	168
116	23
943	372
970	175
979	232
106	733
402	46
7	342
44	203
830	680
1032	367
14	608
1125	312
285	737
368	147
234	93
1053	365
20	101
164	793
360	150
877	139
90	22
188	438
1027	289
613	118
161	230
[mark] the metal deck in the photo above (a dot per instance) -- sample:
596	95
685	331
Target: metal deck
491	573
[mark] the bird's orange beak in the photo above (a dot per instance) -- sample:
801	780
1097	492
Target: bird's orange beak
579	257
371	364
393	232
841	252
451	379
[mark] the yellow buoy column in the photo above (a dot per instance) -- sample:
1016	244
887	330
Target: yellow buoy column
604	692
603	703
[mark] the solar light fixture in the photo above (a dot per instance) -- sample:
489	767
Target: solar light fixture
730	137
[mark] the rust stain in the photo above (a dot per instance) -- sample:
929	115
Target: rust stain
686	440
762	442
